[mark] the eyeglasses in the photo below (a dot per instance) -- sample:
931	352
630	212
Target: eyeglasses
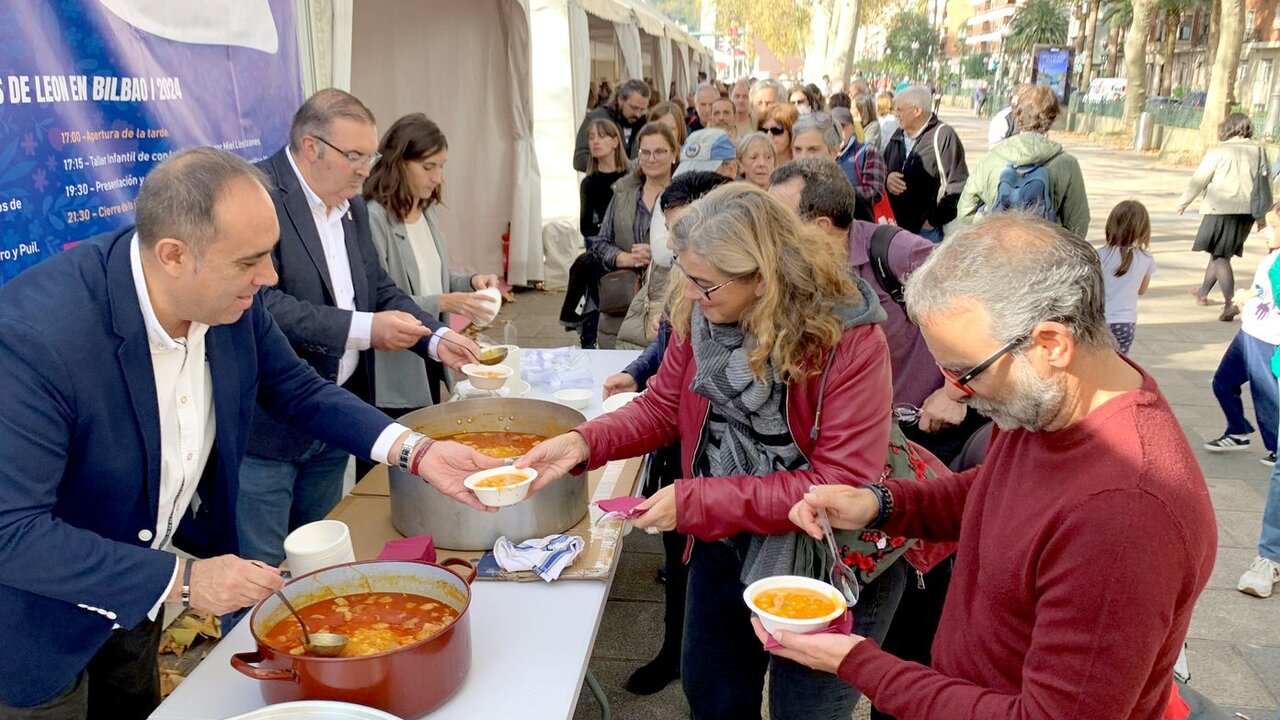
775	130
353	157
654	154
706	291
961	382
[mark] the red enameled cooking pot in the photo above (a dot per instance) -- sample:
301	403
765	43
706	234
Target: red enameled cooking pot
408	682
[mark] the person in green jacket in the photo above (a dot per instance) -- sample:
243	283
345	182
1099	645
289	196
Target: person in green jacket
1035	110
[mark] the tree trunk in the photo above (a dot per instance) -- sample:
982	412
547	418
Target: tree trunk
815	57
841	50
1172	19
1135	61
1215	31
1222	81
1113	50
1090	42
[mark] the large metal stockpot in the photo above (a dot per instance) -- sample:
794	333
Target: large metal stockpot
419	509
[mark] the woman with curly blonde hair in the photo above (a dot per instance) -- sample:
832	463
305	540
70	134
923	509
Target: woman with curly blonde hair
776	379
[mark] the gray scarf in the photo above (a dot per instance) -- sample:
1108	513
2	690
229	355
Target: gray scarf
747	428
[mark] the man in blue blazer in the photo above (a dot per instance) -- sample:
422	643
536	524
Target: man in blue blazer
133	365
336	305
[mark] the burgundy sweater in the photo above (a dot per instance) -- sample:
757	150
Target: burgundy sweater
1082	553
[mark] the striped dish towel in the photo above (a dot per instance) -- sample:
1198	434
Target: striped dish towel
547	556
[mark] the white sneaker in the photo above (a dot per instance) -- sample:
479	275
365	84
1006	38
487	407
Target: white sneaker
1260	578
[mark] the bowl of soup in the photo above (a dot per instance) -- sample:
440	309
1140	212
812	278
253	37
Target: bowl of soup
500	487
794	603
486	377
408	636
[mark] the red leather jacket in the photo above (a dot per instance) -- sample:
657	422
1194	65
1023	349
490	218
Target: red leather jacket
839	419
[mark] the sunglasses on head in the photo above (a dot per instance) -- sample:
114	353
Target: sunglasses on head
775	130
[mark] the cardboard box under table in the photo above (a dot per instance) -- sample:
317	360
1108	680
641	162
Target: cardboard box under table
367	511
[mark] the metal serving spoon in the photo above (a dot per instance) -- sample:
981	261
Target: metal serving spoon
322	644
489	355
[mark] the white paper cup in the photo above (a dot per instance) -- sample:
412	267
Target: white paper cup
493	298
318	545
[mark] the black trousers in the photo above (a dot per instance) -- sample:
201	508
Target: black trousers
121	682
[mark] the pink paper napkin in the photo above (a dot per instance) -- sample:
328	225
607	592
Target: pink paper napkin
842	625
419	547
625	507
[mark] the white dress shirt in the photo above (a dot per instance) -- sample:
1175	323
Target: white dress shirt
184	397
332	237
426	255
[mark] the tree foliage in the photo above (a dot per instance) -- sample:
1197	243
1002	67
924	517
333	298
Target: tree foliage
977	66
684	11
783	25
1039	22
910	41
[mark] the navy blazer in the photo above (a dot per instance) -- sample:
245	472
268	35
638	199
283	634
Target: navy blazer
80	455
302	301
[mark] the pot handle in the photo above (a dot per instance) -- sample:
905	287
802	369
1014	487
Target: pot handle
240	661
470	575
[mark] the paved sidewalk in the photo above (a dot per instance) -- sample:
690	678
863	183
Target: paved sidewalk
1234	643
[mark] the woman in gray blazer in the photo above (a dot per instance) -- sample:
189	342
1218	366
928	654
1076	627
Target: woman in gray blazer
402	190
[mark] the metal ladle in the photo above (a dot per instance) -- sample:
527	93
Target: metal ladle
322	644
488	355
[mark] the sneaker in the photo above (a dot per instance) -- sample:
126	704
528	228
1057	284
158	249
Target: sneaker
1228	443
1269	460
1260	578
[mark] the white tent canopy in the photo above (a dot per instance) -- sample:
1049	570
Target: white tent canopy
467	67
507	81
563	34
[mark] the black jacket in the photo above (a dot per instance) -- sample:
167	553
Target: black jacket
303	306
919	168
581	155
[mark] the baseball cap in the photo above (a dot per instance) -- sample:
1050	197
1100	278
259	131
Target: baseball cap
705	150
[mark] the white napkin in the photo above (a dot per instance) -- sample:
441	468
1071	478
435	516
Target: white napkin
547	556
492	300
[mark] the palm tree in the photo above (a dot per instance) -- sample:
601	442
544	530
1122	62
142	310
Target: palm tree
1090	40
1135	60
1173	11
1039	22
1222	82
1118	16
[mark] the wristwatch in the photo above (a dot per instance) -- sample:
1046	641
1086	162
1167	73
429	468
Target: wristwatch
406	451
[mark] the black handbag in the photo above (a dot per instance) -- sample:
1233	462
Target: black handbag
1260	201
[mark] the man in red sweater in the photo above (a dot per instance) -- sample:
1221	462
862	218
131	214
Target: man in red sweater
1086	535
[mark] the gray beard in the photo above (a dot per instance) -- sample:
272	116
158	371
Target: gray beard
1031	404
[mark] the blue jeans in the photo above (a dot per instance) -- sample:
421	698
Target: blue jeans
1248	359
277	497
1269	540
723	664
933	235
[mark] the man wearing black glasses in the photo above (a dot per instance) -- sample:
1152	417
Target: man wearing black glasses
1085	536
335	304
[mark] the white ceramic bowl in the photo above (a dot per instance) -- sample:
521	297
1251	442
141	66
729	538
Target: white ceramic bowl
576	399
486	377
613	402
503	495
775	623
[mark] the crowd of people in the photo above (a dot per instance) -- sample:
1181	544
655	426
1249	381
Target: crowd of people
882	180
822	296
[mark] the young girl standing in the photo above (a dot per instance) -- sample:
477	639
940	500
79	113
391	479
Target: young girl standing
1127	268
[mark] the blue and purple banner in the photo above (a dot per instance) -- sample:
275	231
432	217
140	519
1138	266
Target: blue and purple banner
93	93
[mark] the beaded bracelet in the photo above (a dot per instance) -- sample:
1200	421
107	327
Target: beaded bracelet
419	454
885	500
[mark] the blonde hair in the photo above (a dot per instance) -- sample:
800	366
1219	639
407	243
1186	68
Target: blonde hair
743	232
